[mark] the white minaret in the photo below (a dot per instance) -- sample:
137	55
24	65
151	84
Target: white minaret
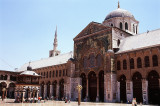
54	52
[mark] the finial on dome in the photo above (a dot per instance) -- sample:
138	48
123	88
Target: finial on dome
118	4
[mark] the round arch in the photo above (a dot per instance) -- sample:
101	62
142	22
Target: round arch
92	82
137	86
11	90
54	88
84	83
61	89
42	90
48	89
122	81
101	86
153	87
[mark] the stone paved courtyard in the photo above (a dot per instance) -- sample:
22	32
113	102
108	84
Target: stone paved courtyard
9	102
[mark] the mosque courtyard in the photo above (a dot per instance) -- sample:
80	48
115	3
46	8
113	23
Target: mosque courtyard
9	102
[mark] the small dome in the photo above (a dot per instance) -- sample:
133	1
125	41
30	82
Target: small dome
119	13
32	73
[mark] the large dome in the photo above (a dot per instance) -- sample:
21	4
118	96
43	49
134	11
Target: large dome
119	13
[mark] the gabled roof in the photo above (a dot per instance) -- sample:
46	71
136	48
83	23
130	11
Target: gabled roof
91	28
144	40
51	61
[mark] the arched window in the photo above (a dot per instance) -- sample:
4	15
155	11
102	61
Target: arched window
126	26
120	25
63	72
53	74
99	60
133	29
59	73
155	60
118	65
47	75
44	74
131	63
111	25
92	60
118	42
124	64
146	60
50	74
85	62
139	62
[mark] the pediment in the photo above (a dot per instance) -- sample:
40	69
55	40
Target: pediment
91	28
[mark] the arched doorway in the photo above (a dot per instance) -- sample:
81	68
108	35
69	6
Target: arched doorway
48	89
61	89
123	88
83	76
3	85
153	88
92	86
137	87
101	86
54	88
11	90
42	90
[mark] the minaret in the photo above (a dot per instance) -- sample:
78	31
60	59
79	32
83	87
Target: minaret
54	52
55	43
118	4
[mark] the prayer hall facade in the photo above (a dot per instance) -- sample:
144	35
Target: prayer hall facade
111	60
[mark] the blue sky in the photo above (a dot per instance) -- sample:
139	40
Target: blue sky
27	27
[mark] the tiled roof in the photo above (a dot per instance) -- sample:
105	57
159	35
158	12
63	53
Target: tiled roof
56	60
144	40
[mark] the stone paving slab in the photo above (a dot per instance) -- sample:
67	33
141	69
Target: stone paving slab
9	102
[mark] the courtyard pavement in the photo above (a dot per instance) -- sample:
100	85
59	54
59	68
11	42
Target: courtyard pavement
9	102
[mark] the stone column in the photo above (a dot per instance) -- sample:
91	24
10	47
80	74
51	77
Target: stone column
118	91
57	91
145	90
105	88
129	90
159	82
45	91
23	95
87	89
51	91
97	98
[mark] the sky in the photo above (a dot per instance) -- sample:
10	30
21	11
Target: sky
27	27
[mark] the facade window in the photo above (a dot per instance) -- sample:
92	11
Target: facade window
155	60
91	60
59	73
111	25
136	30
120	25
56	73
126	26
85	62
66	72
47	75
131	63
63	72
99	60
44	74
118	65
146	61
53	74
50	74
139	62
133	29
118	42
124	64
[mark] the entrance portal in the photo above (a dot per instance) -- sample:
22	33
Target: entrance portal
153	88
101	86
83	76
137	87
92	86
61	89
123	88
